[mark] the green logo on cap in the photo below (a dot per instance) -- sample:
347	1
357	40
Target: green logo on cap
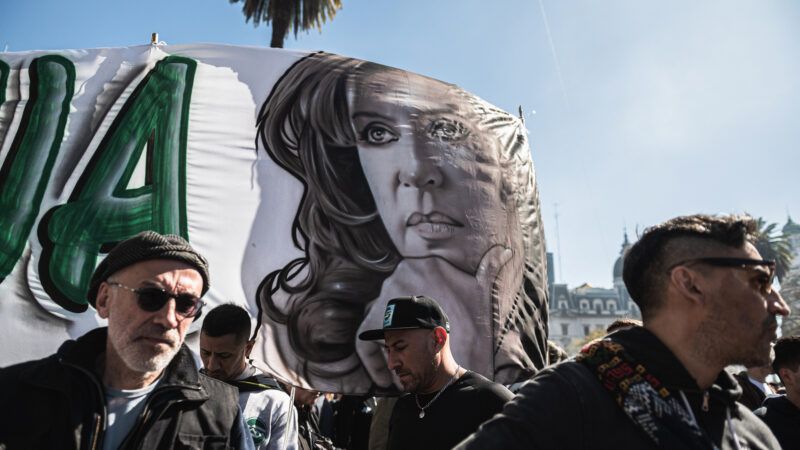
387	316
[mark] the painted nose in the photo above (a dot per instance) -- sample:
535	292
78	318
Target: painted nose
421	169
777	305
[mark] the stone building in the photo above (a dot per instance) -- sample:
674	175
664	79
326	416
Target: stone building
575	313
790	285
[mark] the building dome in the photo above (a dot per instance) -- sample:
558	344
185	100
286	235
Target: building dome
618	268
791	227
620	260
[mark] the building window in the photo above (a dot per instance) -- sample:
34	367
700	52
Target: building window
562	304
586	330
611	306
564	329
598	306
584	305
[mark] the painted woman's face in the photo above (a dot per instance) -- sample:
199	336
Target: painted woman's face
432	167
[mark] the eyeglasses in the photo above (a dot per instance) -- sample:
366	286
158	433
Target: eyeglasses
736	263
152	299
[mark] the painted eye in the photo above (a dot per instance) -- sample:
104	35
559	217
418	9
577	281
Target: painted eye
448	130
378	134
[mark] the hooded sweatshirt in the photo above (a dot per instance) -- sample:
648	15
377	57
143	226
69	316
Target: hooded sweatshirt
565	407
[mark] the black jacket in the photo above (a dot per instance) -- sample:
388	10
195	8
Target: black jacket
59	403
783	418
565	407
752	397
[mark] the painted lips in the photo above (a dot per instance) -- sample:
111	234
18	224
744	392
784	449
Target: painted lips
433	226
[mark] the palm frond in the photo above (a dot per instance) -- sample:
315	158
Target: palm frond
775	245
300	15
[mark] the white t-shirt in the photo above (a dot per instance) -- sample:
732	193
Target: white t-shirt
123	406
268	414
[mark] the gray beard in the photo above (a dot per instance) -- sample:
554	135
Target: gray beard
140	360
155	363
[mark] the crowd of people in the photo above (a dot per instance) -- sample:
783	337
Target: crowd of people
706	298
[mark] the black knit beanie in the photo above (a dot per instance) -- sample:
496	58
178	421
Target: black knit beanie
146	246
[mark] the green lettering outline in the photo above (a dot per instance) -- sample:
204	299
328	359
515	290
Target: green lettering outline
101	210
52	83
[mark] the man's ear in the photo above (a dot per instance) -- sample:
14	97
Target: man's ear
249	347
101	301
688	283
439	338
786	376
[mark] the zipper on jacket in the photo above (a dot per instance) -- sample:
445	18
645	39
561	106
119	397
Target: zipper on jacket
137	426
100	423
706	395
140	421
97	421
134	436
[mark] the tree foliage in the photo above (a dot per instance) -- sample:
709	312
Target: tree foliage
577	344
790	291
773	244
289	15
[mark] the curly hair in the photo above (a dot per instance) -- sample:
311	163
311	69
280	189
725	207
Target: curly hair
305	128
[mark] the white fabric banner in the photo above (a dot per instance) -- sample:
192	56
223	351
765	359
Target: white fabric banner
317	186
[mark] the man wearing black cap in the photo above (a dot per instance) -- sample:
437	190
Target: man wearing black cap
445	402
133	384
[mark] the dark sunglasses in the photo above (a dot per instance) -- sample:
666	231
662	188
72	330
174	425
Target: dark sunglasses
152	299
737	263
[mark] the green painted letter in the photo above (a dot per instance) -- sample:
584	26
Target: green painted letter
102	209
27	167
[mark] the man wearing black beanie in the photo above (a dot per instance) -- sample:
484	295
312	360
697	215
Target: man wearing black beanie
133	384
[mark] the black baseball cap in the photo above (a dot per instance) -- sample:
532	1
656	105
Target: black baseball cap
406	313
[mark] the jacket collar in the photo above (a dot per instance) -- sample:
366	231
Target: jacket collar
661	362
83	352
783	405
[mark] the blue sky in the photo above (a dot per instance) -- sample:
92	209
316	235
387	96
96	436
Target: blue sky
637	110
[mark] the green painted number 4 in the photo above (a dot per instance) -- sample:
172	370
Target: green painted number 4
102	209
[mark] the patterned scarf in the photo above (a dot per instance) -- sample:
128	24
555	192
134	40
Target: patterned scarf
643	398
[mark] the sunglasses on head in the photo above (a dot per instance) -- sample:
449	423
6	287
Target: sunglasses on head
152	299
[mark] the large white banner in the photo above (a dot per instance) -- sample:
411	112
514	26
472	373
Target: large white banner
318	187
